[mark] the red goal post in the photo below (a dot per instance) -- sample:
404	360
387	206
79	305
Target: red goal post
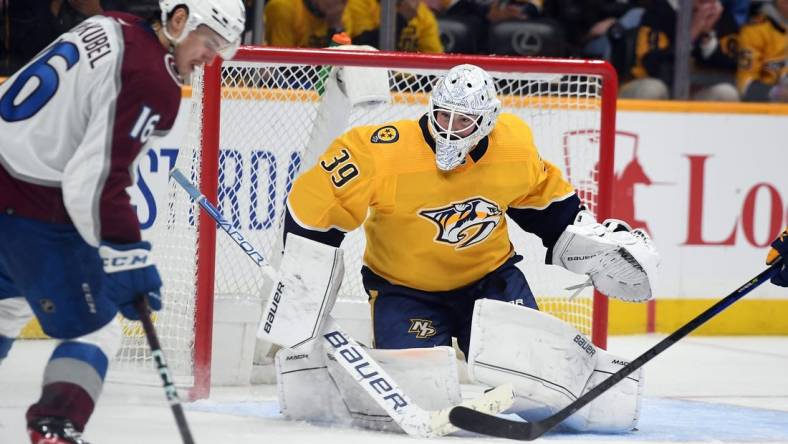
258	110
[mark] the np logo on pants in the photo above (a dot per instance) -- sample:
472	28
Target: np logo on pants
423	328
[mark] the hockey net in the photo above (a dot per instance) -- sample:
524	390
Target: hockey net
251	124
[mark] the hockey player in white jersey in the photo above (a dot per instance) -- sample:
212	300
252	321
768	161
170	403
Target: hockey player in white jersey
73	122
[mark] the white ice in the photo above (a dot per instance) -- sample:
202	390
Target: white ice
701	390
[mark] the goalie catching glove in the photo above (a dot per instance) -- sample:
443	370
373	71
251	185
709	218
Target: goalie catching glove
621	263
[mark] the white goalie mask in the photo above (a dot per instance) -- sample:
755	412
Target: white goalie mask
225	17
462	101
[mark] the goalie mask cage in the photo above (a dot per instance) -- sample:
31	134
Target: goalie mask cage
251	122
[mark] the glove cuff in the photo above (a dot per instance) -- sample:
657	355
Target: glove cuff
125	257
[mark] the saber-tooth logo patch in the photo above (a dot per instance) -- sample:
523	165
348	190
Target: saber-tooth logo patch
423	328
465	223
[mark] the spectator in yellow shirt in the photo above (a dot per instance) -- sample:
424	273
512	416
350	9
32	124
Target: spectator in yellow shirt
417	28
305	23
763	55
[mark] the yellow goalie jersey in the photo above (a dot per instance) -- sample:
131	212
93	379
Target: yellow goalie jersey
427	229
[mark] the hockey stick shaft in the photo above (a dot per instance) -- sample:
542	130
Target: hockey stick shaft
164	371
216	215
527	431
350	352
352	357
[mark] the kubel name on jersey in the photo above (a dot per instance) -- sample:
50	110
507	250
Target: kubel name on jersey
94	36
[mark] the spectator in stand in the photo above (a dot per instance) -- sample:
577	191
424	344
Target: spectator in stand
305	23
32	25
417	28
763	55
591	25
466	14
507	10
482	16
714	36
740	9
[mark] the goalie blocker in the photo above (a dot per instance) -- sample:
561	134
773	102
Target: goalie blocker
304	293
550	365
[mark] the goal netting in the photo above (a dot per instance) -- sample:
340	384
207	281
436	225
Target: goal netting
254	126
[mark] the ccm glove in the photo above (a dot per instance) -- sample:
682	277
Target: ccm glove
779	249
129	274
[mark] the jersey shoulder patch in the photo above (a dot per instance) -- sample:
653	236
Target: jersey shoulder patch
385	134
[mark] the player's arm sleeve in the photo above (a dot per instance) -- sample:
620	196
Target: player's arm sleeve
332	198
126	112
279	25
429	40
549	207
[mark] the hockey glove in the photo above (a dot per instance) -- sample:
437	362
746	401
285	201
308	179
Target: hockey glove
620	262
129	274
779	248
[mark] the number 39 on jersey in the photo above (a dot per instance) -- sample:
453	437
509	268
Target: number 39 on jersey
341	168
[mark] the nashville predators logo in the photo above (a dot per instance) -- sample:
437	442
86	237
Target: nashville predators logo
423	328
387	134
465	223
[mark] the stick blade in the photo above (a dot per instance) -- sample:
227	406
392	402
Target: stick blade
477	422
491	402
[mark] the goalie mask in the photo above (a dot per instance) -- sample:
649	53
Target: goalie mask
463	111
225	17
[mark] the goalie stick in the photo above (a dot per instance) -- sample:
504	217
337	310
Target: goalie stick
352	357
527	431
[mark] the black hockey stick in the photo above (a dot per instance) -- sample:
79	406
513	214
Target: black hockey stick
164	371
527	431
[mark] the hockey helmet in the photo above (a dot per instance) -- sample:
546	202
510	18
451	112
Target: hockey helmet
466	91
225	17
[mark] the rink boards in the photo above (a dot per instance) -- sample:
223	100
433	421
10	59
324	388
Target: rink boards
708	182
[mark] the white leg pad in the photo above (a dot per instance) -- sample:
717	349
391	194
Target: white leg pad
305	389
550	365
15	313
313	388
546	360
617	409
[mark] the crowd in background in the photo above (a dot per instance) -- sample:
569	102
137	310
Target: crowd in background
739	47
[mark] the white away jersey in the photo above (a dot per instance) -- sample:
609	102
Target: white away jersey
75	118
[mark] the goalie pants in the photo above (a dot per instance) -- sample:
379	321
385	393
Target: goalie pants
404	317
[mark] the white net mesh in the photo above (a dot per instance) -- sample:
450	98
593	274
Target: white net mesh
270	112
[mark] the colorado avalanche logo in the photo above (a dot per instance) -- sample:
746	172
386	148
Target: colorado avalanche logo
172	70
465	223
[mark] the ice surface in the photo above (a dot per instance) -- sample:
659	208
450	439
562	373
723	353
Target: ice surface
704	390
